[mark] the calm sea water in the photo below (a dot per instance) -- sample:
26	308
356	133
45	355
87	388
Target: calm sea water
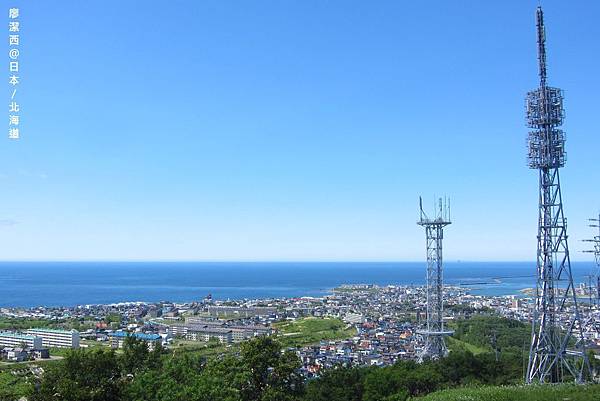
76	283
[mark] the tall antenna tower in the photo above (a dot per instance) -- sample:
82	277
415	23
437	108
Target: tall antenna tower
435	346
594	278
556	320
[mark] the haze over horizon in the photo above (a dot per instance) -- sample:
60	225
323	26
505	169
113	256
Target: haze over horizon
290	131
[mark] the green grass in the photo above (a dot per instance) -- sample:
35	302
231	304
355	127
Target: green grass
458	345
312	330
16	379
518	393
13	366
88	344
205	349
59	351
298	333
12	387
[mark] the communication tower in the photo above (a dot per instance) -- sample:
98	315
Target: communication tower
594	277
557	351
434	333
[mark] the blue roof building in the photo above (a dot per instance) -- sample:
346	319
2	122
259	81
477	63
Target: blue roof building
117	338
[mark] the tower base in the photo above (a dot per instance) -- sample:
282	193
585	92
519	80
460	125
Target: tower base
435	345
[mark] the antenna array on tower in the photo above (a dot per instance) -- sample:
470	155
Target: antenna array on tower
557	344
594	277
434	333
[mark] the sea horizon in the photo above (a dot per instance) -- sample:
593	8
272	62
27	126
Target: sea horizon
60	283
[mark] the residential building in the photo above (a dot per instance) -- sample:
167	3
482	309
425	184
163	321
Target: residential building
17	354
206	333
241	333
117	339
241	312
178	330
9	339
56	338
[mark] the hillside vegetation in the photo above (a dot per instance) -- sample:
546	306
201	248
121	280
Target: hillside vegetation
311	330
511	336
518	393
261	370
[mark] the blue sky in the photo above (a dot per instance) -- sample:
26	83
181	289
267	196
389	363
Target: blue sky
289	130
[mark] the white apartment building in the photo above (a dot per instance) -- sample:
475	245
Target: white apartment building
56	338
241	333
8	339
355	318
205	333
225	334
178	330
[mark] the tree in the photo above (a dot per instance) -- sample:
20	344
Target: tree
180	377
82	376
270	373
401	395
337	384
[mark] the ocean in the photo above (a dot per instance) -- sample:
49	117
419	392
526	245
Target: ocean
29	284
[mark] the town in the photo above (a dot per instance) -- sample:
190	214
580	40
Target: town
354	325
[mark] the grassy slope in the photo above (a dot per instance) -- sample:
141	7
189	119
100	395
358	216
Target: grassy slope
291	334
458	345
12	386
311	330
518	393
204	349
16	379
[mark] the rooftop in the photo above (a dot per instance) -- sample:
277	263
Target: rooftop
16	335
141	336
52	331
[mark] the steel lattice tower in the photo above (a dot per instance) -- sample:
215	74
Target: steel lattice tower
594	284
557	345
592	323
435	346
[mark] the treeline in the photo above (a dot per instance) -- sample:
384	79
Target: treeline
262	372
506	335
408	379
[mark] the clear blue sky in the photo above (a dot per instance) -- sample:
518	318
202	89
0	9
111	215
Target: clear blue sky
289	130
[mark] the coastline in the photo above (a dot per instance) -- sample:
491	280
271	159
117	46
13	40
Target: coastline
31	284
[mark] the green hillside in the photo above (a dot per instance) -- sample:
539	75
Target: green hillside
518	393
